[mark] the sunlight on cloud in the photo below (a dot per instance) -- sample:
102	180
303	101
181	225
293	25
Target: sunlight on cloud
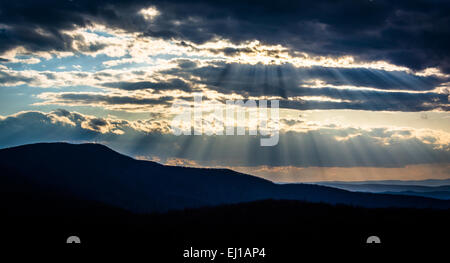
149	13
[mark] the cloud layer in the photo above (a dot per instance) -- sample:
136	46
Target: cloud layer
410	33
322	147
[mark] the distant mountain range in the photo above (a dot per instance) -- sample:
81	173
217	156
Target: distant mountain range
96	173
428	182
439	189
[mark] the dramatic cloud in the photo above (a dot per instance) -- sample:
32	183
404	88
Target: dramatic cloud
325	147
269	79
350	88
411	33
133	102
6	79
296	87
172	84
361	84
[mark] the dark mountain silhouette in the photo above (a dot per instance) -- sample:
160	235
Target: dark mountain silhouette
282	227
378	188
437	191
428	182
445	195
96	173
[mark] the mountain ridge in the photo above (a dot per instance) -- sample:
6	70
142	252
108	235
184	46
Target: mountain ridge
97	173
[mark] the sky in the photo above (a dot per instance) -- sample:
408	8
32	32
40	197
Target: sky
363	85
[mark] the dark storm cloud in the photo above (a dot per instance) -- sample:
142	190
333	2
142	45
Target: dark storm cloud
29	127
186	63
6	78
287	81
88	98
97	123
369	100
372	105
414	33
271	79
376	147
172	84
